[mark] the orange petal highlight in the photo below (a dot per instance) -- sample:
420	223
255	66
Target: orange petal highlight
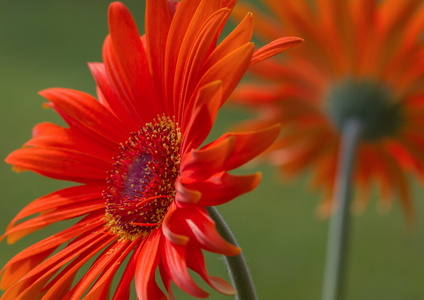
274	48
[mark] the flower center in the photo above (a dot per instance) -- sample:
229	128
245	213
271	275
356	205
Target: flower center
370	103
142	184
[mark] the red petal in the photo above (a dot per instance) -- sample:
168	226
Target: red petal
224	187
237	38
14	272
133	72
273	48
158	21
249	145
148	260
123	291
27	259
117	104
32	283
167	232
177	31
192	56
174	261
48	135
202	118
195	223
229	70
62	283
196	262
198	165
184	195
108	262
204	232
60	164
59	287
228	3
68	196
65	213
84	112
166	280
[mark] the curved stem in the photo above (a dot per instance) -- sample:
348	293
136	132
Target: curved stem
338	226
237	267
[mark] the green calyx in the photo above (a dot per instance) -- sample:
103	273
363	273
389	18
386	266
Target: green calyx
368	102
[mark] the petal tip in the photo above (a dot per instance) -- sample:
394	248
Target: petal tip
222	286
116	5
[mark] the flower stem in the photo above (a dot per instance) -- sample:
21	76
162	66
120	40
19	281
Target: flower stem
237	267
338	226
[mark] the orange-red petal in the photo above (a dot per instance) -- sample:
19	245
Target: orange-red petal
132	62
224	187
174	262
148	260
59	164
200	164
248	145
201	119
274	48
87	114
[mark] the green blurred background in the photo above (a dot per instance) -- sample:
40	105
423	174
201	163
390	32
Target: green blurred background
48	43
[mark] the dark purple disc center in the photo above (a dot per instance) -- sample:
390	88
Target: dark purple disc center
138	176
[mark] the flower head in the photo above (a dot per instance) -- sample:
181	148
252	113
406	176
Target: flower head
144	184
361	60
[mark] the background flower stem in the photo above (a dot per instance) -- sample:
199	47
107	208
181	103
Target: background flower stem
339	222
237	267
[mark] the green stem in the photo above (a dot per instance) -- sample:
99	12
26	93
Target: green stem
338	226
237	267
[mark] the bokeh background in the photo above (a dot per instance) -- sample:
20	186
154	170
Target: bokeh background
48	43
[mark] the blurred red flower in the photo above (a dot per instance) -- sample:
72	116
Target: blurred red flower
361	59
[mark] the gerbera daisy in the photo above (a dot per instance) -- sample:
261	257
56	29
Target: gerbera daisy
144	184
362	60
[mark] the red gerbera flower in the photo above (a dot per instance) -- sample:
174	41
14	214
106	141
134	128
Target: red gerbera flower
362	59
145	185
